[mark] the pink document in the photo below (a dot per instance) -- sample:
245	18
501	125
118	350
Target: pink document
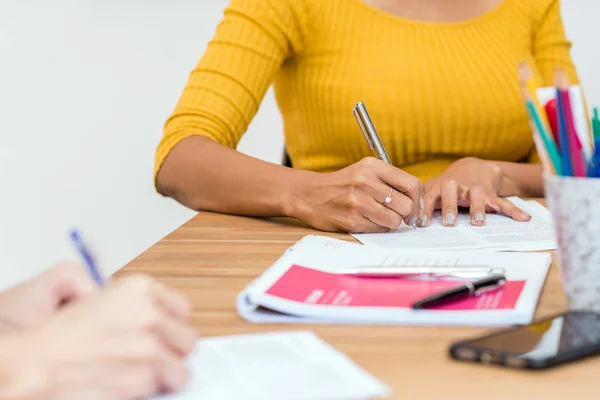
313	287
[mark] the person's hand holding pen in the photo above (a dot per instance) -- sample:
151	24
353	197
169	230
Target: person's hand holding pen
354	199
368	196
127	339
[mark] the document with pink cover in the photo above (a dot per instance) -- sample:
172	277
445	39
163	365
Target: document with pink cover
304	286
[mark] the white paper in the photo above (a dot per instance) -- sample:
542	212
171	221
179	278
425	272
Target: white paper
331	255
549	343
275	366
500	233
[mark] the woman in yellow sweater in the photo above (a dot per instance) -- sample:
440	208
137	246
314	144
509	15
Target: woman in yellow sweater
439	78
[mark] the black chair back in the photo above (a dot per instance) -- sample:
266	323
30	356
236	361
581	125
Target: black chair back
286	159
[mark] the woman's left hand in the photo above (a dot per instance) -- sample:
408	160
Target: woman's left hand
474	183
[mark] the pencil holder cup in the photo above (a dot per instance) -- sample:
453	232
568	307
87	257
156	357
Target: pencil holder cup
575	207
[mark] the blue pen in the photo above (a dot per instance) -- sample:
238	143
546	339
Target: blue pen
87	257
596	159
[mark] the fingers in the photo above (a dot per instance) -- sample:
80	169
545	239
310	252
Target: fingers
166	312
430	202
69	281
177	336
367	215
449	198
171	301
477	200
507	208
165	320
159	309
172	372
381	197
401	204
383	215
403	183
153	369
362	224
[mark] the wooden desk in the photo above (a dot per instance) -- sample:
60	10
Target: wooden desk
213	257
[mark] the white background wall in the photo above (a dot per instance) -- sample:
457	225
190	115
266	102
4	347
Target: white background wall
85	87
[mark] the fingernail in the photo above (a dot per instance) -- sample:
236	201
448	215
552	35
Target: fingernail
449	220
423	221
413	222
479	217
525	213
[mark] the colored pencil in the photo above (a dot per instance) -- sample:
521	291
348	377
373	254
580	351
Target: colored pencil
555	165
573	143
543	137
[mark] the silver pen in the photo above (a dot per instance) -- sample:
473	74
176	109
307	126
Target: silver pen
462	271
372	137
368	130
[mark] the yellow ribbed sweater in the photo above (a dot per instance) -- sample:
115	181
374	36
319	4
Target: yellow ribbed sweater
436	92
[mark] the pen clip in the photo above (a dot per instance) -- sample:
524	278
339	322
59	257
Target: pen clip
465	273
361	124
489	288
424	272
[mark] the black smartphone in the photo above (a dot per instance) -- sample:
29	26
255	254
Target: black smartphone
542	344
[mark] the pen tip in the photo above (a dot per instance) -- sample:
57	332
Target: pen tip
74	234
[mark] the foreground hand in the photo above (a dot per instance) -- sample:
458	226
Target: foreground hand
127	342
355	199
32	302
473	183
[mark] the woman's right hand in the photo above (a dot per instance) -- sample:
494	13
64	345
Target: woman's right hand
127	342
354	199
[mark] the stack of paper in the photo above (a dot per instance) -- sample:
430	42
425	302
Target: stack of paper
275	366
304	286
500	233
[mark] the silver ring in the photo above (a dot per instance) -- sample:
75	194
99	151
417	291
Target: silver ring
388	199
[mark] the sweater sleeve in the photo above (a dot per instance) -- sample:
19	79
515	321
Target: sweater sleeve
224	91
551	48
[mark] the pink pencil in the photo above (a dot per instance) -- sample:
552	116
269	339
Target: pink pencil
574	144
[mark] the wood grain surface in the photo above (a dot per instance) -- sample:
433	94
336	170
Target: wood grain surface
212	257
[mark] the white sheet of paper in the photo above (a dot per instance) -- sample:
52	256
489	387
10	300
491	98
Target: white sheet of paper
295	365
500	233
550	342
